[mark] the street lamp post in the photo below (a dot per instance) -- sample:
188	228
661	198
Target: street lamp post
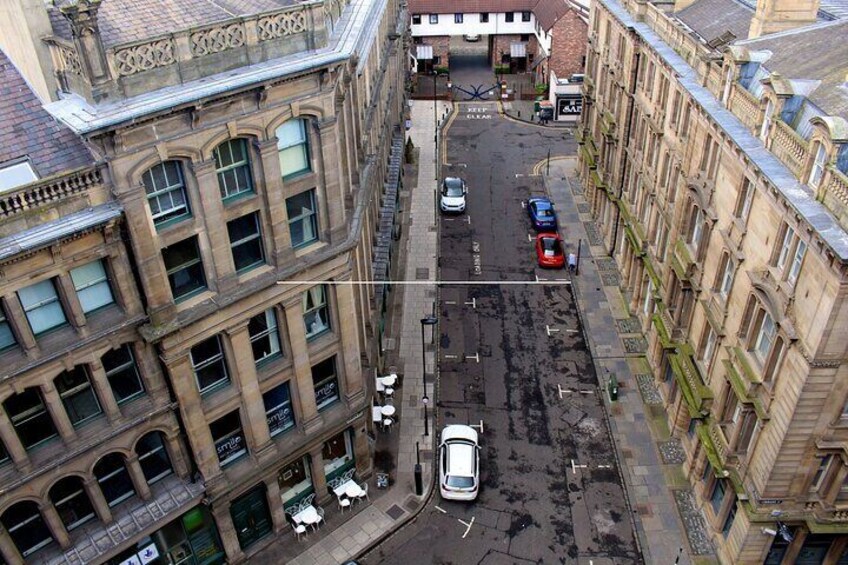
428	321
435	127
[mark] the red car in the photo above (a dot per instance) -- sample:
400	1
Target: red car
549	251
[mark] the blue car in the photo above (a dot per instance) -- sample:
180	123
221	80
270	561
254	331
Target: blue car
542	214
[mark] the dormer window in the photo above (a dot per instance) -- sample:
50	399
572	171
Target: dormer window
767	118
817	172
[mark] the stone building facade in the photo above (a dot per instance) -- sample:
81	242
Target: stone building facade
717	175
248	156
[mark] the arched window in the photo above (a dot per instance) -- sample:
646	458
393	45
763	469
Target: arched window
30	418
166	191
26	527
232	164
293	147
71	502
114	479
153	457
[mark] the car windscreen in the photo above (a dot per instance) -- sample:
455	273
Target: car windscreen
458	481
551	244
452	187
544	212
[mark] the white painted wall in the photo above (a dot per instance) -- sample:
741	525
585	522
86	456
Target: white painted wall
471	24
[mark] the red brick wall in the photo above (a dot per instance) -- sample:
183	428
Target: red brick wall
568	46
503	42
441	48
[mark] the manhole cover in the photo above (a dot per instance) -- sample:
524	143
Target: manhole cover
592	233
609	279
672	452
422	274
395	512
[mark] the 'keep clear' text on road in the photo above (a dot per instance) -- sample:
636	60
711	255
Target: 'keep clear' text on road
477	113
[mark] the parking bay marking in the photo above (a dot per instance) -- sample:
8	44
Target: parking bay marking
476	357
467	526
575	466
551	330
480	425
572	391
442	510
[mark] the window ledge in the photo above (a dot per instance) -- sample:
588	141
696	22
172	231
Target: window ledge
309	248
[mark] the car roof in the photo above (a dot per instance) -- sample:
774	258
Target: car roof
548	236
542	203
460	459
453	180
458	431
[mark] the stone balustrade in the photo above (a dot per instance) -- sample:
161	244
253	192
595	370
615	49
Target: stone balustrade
36	195
789	147
835	194
745	106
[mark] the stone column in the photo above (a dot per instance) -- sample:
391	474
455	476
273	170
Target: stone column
274	194
104	391
150	372
795	546
57	412
216	226
333	186
8	549
354	389
196	427
176	454
227	531
361	450
310	419
256	423
837	548
275	503
14	311
319	479
137	476
98	501
54	524
322	195
122	279
65	288
13	444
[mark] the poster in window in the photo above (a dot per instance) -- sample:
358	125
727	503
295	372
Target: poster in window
569	105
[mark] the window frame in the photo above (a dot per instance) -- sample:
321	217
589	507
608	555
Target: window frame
509	17
818	165
768	115
234	166
433	19
36	516
219	358
457	18
161	219
745	199
151	453
41	304
193	263
235	433
122	370
8	339
525	16
111	475
57	504
727	274
416	19
271	331
278	412
30	414
793	268
765	333
311	217
330	379
77	391
303	144
316	308
253	239
80	287
484	17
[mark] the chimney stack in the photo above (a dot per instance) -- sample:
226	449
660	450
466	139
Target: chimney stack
772	16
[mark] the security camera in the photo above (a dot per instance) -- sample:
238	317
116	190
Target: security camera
769	532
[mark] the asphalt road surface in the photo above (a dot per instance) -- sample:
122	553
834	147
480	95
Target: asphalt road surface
513	360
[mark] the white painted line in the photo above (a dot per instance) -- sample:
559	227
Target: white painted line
562	280
562	390
441	510
451	356
573	331
473	303
586	391
476	357
477	425
604	466
468	219
540	279
467	525
450	302
524	204
550	330
530	238
574	467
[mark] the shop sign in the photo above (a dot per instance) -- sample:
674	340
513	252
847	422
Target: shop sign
327	393
569	105
134	560
148	554
229	447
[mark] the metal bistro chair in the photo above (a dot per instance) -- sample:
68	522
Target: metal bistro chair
364	495
320	521
348	475
299	529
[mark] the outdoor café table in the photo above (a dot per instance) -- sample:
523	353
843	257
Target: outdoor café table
352	490
387	410
307	516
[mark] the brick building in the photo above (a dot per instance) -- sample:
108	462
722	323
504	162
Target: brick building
713	146
244	162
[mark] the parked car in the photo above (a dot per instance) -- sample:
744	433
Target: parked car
453	194
459	463
542	214
472	37
550	251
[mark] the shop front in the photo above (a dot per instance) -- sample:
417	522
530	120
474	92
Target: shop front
191	539
251	516
295	480
338	454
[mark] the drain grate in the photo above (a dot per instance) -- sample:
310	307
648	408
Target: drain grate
422	274
395	512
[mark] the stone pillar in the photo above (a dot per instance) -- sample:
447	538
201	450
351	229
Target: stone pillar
73	310
54	524
227	531
98	501
176	454
122	279
319	479
150	372
85	30
104	392
333	186
13	444
275	503
354	389
837	548
14	311
253	408
269	155
795	547
323	196
196	427
57	412
137	476
309	417
8	550
361	449
216	227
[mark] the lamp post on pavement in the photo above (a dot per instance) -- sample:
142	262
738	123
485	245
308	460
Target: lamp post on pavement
428	321
435	127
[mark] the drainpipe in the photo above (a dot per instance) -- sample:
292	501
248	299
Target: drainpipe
634	75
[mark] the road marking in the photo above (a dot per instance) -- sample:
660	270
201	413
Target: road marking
550	330
480	425
441	510
574	467
572	391
450	302
604	466
463	165
473	303
539	279
530	237
467	526
475	247
476	357
468	219
447	356
524	204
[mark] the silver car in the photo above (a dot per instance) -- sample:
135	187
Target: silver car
452	198
459	463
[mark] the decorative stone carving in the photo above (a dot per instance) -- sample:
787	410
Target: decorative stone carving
281	24
70	60
216	39
139	58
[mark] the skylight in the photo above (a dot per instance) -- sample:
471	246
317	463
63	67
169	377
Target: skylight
16	175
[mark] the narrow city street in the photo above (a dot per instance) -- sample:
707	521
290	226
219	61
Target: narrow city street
513	363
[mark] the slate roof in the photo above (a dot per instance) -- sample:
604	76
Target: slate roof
799	54
125	21
712	18
51	232
28	131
